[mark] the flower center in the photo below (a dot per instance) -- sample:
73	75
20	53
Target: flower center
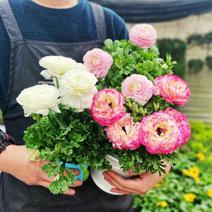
110	104
62	71
124	129
160	131
145	30
96	61
110	101
133	87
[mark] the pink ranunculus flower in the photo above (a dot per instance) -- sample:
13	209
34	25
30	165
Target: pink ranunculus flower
124	134
160	133
172	89
143	35
182	122
137	87
98	62
108	107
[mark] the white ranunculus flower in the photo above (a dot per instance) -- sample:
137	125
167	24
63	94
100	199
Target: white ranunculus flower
39	99
56	66
79	67
77	89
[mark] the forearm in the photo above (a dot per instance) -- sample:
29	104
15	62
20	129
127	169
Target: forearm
15	161
6	156
6	151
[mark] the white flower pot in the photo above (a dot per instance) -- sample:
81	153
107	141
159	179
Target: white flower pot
98	176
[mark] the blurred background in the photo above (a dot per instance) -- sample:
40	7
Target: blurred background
184	31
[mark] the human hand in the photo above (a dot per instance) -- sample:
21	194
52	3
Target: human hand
138	185
17	163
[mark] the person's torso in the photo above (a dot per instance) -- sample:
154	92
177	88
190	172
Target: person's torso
39	23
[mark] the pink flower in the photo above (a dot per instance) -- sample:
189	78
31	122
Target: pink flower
172	88
124	134
182	124
160	133
143	35
98	62
137	87
108	107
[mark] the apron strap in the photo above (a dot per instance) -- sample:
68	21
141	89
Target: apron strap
9	21
99	18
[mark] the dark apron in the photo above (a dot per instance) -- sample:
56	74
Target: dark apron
15	196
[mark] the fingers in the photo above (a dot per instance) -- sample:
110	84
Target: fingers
130	184
126	186
46	181
149	179
140	185
70	192
42	162
44	184
77	184
119	187
51	179
124	192
76	172
44	176
118	191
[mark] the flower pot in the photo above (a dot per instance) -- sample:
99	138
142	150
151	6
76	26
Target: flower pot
98	176
82	176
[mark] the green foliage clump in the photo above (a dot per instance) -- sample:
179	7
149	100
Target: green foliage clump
201	138
209	62
69	137
208	38
130	59
190	176
195	65
196	40
141	161
139	111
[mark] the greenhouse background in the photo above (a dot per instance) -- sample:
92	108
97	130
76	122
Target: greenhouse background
156	10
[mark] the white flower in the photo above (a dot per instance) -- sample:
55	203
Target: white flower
79	67
56	66
39	99
77	89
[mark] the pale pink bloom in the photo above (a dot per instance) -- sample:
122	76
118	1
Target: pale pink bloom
124	134
108	107
143	35
172	89
137	87
98	62
182	122
160	133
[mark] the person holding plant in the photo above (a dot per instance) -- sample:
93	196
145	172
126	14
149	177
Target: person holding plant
30	30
